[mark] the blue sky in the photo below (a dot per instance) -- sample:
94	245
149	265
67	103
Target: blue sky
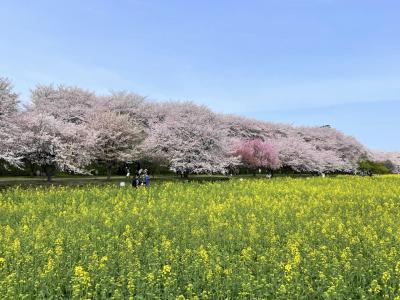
304	62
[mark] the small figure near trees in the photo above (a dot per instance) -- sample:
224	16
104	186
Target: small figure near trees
147	180
128	172
135	182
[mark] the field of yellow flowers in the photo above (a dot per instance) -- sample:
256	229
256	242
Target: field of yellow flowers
282	238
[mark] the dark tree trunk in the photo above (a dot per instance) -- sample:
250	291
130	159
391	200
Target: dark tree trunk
109	167
48	170
49	177
32	169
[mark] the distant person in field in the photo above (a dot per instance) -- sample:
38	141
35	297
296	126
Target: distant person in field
147	179
135	182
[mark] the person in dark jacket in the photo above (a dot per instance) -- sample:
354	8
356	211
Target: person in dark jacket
135	182
147	180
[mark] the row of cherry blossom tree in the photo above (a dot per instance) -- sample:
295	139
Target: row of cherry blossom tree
68	129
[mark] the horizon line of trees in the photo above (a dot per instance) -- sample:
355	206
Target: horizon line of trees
70	129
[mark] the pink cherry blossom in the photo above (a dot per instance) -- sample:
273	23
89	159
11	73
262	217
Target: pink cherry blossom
258	154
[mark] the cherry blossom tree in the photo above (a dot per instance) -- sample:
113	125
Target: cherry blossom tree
117	138
54	144
346	149
190	139
241	128
125	103
319	148
109	119
69	104
258	154
8	99
9	153
302	156
187	137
